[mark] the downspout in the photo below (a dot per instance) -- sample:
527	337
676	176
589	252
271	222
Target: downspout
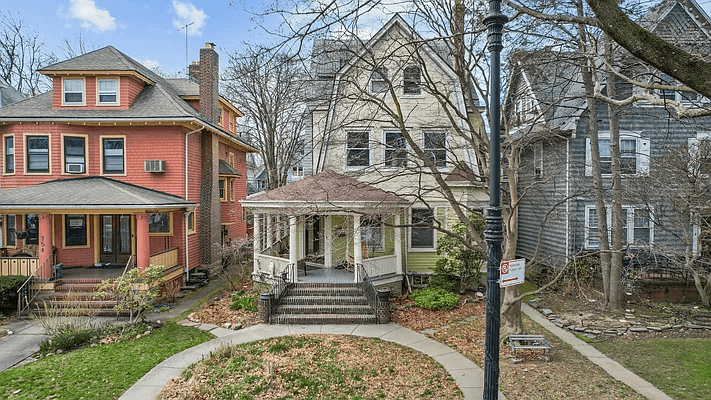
185	214
567	199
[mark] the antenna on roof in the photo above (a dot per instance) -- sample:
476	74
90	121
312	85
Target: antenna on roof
187	74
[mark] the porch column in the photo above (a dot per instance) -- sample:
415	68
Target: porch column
270	233
302	240
143	251
357	251
257	244
398	245
44	251
328	244
293	248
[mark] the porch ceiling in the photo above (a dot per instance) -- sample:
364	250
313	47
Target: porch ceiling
89	194
327	191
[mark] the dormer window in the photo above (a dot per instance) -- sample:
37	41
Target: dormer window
108	91
73	91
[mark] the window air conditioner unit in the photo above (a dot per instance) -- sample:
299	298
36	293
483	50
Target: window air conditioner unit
154	165
75	168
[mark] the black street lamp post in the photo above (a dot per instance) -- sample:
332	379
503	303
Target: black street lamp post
494	21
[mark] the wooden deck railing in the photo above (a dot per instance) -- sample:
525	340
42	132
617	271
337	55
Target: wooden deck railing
25	266
379	266
167	258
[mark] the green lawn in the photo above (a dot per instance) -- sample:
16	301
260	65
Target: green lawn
678	367
101	372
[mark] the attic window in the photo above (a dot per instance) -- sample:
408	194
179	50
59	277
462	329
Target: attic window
379	80
411	84
73	91
108	91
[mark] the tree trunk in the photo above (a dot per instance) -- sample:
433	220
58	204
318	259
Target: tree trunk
511	309
587	70
619	217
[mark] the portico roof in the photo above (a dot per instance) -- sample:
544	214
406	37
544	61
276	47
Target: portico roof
326	191
98	194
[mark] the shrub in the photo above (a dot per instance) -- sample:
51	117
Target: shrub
242	301
433	298
8	290
69	339
134	291
460	267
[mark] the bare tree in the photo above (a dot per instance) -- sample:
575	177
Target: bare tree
269	88
22	53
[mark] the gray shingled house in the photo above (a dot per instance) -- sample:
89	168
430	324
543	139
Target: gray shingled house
547	112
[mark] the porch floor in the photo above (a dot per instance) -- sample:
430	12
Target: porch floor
91	273
325	275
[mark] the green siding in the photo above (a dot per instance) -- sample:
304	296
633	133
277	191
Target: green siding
422	261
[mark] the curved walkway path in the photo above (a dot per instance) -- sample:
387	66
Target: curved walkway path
468	376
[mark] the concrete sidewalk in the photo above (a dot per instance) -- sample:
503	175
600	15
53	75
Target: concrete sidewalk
24	341
613	368
468	376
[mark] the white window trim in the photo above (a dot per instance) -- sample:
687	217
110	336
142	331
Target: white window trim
419	85
379	79
83	92
98	92
386	148
629	223
369	148
409	232
538	160
447	163
643	152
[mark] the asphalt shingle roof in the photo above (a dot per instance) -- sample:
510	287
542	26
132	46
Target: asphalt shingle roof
87	193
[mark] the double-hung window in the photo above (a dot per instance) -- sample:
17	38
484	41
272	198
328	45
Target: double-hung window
379	80
411	80
10	239
160	223
37	154
422	235
108	91
395	149
73	91
357	148
9	154
74	155
634	154
538	160
700	155
638	226
113	155
681	96
435	146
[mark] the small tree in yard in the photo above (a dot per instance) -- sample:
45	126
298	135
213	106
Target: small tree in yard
135	291
461	264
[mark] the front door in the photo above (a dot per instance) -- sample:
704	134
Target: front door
115	238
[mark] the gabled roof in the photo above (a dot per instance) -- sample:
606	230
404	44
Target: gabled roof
8	94
327	190
88	193
160	100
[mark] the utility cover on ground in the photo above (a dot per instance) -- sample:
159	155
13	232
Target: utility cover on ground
512	272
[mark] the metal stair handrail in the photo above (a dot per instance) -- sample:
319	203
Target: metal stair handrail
366	285
26	293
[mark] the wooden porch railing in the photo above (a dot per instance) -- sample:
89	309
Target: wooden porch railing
25	266
379	266
167	258
271	265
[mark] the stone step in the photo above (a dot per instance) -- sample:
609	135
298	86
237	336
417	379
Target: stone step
324	291
90	304
323	309
70	296
323	300
319	319
77	287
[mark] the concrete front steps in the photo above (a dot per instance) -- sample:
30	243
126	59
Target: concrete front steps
76	296
323	303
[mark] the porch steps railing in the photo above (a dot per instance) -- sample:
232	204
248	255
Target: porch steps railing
28	292
323	303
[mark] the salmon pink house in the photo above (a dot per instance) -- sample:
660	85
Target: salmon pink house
118	165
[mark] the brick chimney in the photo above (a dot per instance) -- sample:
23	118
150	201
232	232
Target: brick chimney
209	78
194	71
207	74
